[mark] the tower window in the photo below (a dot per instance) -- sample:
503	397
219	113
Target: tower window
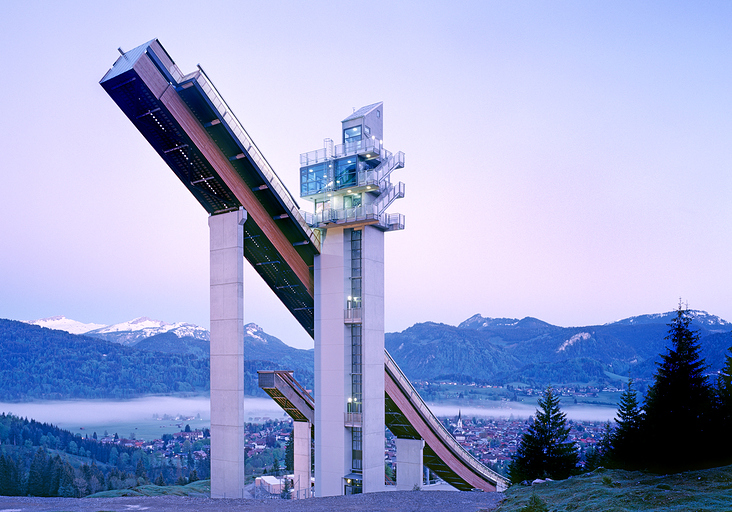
352	135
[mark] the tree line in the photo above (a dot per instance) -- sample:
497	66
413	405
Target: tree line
39	459
38	363
683	423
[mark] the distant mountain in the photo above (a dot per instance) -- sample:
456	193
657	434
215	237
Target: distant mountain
480	349
37	363
61	323
134	331
124	333
701	319
46	363
502	350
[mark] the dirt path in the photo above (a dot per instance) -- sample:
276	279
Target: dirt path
395	501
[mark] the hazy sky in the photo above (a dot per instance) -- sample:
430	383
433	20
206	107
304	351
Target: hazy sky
564	160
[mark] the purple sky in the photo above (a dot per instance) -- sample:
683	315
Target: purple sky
567	160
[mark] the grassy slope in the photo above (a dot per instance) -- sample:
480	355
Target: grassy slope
199	488
616	490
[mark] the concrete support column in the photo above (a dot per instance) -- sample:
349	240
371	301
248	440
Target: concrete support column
227	354
372	250
302	438
332	385
409	463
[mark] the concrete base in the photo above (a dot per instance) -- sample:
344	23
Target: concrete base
227	354
409	463
302	439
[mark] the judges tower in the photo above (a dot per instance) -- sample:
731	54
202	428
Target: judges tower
350	186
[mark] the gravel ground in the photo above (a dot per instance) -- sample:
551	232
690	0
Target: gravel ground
394	501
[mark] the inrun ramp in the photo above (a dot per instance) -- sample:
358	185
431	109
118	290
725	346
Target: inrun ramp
194	131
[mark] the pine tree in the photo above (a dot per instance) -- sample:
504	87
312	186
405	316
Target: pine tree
677	425
55	467
625	440
544	451
140	470
723	410
67	487
37	483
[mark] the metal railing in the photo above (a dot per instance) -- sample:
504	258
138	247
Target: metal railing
387	166
352	315
416	401
342	216
246	142
392	221
393	192
353	419
339	150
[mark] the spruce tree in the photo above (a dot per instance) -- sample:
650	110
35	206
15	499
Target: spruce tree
37	477
723	410
625	440
677	426
544	451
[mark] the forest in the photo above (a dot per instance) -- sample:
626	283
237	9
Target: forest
40	459
38	363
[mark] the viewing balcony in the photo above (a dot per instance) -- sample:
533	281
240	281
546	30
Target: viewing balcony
355	216
353	316
361	147
353	419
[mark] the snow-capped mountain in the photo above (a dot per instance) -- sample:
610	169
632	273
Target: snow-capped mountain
133	331
125	333
61	323
709	321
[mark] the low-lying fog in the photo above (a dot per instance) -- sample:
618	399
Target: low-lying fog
519	410
73	414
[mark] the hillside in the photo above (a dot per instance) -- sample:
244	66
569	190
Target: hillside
536	353
149	356
38	363
705	490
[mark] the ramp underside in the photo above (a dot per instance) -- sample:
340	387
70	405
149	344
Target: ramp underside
407	416
288	393
179	120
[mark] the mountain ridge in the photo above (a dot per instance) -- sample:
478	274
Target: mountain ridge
480	349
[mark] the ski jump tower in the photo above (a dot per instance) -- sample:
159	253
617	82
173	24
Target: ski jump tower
350	186
326	267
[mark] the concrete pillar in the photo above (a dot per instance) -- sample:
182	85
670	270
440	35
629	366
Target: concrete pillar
409	463
372	250
332	383
302	438
227	354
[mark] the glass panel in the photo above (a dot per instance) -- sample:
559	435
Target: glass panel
345	172
313	179
352	134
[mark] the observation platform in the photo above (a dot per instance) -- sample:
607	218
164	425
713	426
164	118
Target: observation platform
195	132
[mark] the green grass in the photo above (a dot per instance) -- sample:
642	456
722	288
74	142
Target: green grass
617	490
199	488
147	429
